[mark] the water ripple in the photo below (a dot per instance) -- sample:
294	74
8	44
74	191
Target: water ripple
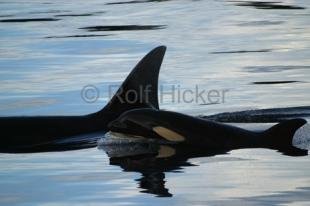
123	27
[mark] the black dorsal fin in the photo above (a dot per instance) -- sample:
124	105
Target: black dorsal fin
140	88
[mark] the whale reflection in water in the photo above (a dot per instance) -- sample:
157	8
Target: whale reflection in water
153	159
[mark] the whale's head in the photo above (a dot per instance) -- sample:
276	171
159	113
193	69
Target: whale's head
147	123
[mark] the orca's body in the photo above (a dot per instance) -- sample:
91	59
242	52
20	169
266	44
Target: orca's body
201	133
35	133
184	137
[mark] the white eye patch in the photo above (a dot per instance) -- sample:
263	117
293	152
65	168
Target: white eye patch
168	134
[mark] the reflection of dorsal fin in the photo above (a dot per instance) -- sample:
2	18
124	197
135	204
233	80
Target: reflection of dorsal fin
140	87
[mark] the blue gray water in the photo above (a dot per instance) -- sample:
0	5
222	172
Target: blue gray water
258	52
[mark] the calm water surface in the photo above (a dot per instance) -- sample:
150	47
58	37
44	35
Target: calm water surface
257	51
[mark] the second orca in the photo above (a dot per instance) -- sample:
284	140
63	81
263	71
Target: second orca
183	129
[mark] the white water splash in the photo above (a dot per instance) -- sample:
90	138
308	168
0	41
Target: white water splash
111	138
301	137
121	145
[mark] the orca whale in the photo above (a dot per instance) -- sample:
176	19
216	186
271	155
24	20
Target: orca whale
201	133
152	160
134	110
44	133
